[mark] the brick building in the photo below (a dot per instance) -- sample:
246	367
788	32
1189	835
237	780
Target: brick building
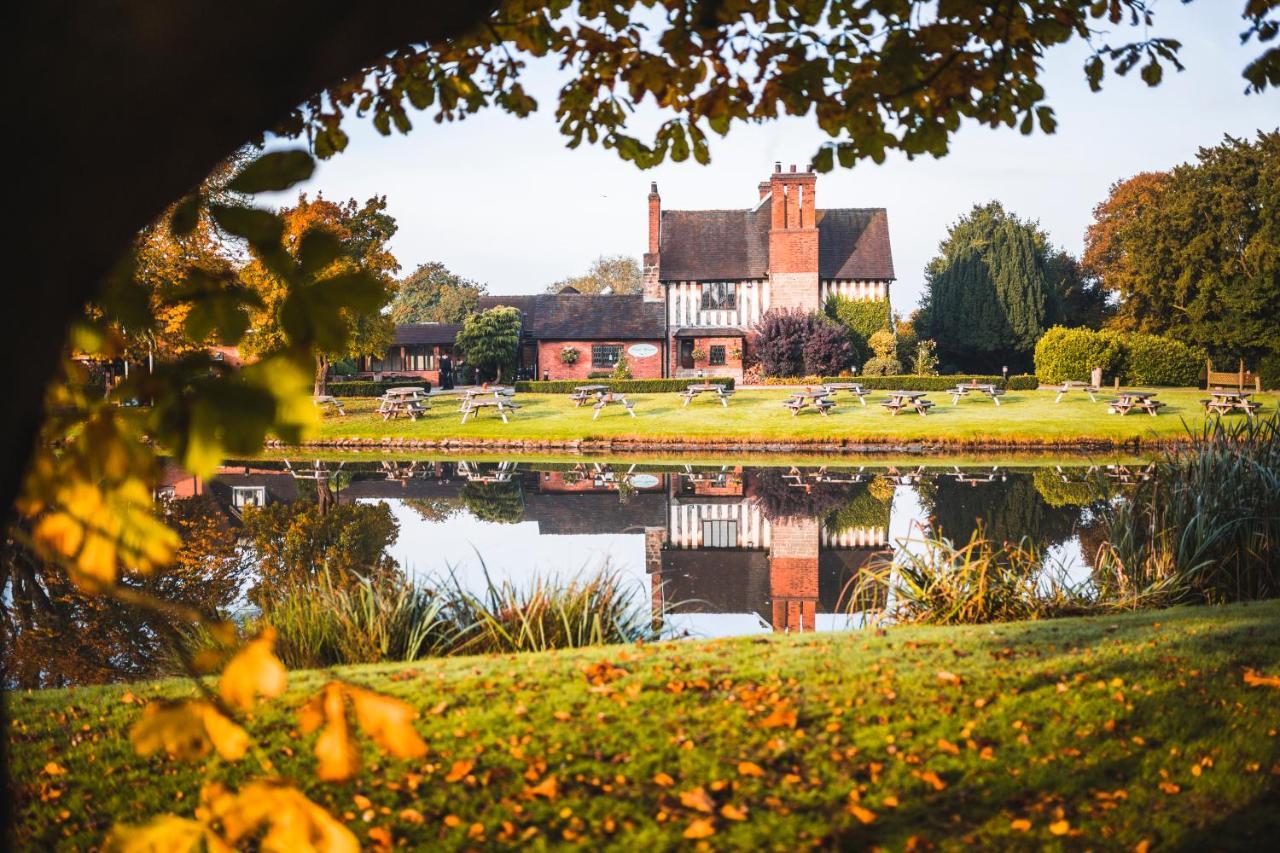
708	277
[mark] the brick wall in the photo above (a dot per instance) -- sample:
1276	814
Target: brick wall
732	363
549	359
793	573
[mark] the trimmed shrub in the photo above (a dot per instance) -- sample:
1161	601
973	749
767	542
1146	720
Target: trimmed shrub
624	386
369	388
882	366
788	343
1070	354
1156	360
862	317
827	349
1022	382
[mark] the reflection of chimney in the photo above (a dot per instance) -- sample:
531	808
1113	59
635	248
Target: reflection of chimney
652	287
793	573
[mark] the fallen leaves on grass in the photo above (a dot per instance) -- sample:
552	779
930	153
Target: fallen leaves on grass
749	768
1254	679
700	828
698	800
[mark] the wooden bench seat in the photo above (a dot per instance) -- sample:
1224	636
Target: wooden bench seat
614	400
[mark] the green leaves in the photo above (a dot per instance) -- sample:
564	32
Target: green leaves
277	170
261	228
312	313
215	305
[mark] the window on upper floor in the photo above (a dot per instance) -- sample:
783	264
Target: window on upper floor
719	533
719	296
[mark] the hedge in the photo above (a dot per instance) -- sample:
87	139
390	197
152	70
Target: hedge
369	388
900	382
625	386
1138	359
1023	382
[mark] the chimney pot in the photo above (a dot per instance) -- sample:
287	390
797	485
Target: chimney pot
777	165
793	167
653	187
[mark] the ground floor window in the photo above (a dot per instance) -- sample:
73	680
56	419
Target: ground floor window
405	358
716	354
605	355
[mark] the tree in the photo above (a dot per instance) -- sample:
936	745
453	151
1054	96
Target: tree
1195	254
433	294
884	362
797	343
827	351
360	234
617	273
1075	298
489	340
987	293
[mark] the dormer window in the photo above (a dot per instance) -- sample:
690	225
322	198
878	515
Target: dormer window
720	296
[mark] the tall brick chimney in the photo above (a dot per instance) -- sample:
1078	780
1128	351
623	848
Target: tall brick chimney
652	288
793	239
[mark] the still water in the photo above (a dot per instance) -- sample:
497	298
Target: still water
723	549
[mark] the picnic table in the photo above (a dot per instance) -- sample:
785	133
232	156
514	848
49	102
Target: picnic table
1143	401
583	393
1222	402
500	403
899	400
1076	385
613	399
963	390
722	393
411	401
853	388
818	398
328	401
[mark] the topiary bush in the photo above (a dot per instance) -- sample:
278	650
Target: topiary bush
1022	382
862	317
1157	360
1063	354
882	366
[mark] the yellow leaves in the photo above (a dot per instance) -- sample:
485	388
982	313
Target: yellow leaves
387	721
700	828
292	822
698	800
254	671
1060	827
460	770
53	768
1254	679
165	834
186	731
749	768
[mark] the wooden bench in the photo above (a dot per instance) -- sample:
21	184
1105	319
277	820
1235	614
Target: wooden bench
329	401
896	405
799	403
1091	390
613	399
1124	404
501	405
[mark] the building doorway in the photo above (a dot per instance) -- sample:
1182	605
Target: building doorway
686	354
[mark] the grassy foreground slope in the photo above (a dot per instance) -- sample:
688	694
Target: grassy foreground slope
1100	733
1024	417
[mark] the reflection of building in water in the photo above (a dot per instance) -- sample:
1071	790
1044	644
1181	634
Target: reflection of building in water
720	552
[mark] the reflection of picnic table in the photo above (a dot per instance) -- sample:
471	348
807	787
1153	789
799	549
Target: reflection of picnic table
1225	402
613	399
853	388
722	393
899	400
1074	385
330	402
411	401
1143	401
818	398
583	393
500	403
963	390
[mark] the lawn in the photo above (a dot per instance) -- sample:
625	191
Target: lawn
1103	733
1024	417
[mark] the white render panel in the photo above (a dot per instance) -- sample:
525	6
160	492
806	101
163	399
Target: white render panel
856	290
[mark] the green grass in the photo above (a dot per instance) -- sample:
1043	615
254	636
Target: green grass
1078	720
1024	417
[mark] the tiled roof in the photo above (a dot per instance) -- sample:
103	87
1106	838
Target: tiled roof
582	513
427	333
710	332
854	243
732	245
581	316
724	245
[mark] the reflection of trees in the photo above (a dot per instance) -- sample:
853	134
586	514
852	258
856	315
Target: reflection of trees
55	635
434	509
783	494
863	508
297	543
1059	489
1008	510
497	502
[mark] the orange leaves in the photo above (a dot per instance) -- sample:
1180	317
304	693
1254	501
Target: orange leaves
698	800
548	788
663	780
164	834
1060	827
387	721
601	673
930	778
948	747
254	671
53	768
732	812
1254	679
864	815
782	716
1020	825
749	768
1170	787
700	828
292	821
186	731
945	677
460	770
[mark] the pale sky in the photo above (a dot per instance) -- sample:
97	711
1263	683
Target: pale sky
503	201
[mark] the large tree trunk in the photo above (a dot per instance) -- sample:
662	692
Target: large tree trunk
133	103
322	375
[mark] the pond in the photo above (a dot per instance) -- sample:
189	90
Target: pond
719	547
